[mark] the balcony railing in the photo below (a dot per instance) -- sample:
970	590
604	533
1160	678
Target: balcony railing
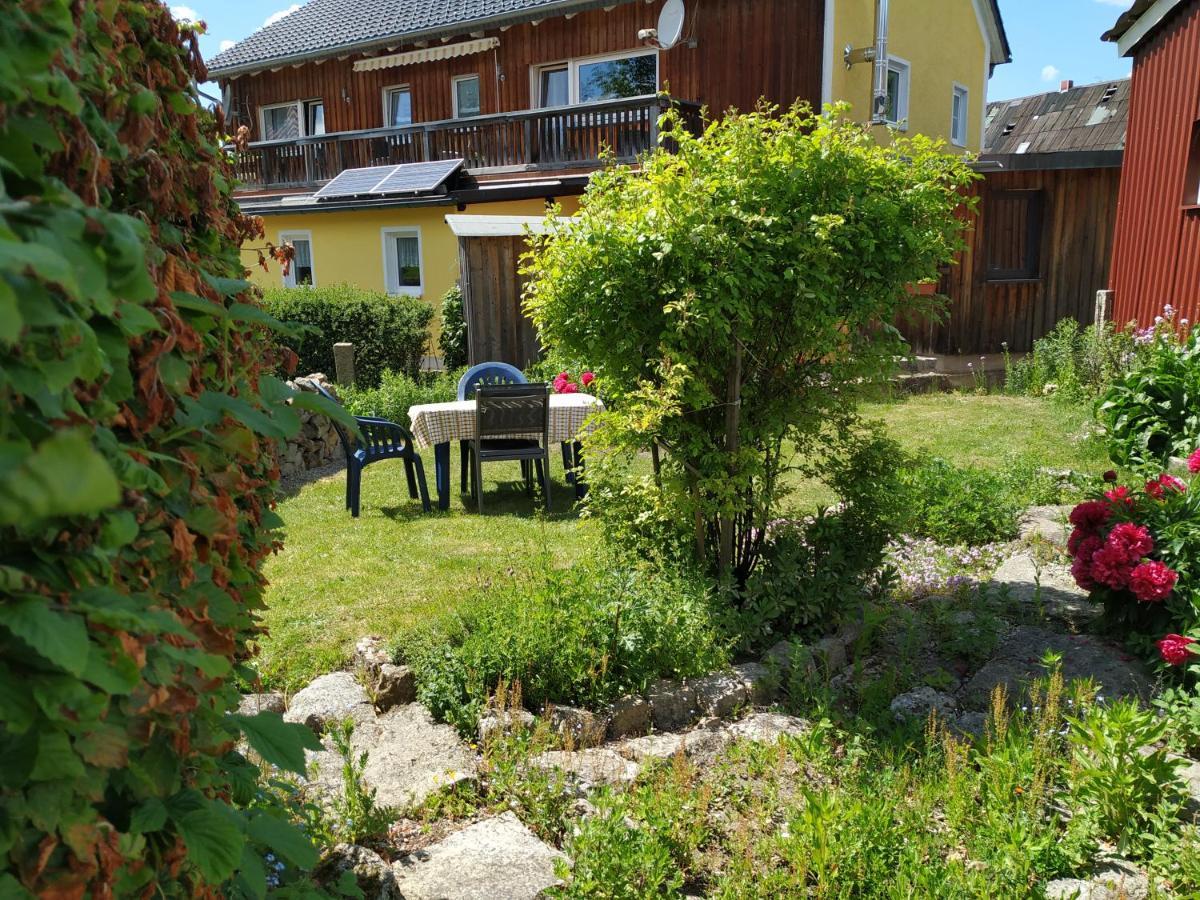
561	137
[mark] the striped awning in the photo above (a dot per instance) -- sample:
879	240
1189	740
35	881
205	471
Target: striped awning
427	54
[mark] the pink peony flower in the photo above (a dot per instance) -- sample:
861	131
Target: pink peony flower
1082	571
569	388
1175	649
587	378
1164	483
1194	462
1119	495
1111	568
1131	541
1090	514
1152	581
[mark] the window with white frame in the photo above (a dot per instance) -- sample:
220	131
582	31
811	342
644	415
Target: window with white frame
466	96
288	121
612	77
896	109
959	112
402	261
300	272
397	105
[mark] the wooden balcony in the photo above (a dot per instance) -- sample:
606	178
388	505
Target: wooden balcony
563	137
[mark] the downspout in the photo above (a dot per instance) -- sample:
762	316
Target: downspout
879	99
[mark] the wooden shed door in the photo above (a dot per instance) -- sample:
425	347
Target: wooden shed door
497	329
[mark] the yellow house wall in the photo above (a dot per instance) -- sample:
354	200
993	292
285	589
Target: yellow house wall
347	246
942	42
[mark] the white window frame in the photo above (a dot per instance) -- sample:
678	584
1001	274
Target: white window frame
904	69
301	115
287	237
959	139
387	106
391	273
454	93
573	64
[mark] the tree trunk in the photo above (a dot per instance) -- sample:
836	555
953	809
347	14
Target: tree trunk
733	408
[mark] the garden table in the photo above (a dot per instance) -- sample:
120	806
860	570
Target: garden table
437	424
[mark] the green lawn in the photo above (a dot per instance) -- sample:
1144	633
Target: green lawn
339	578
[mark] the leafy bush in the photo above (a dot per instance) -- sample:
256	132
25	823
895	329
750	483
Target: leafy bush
1072	364
720	292
137	417
453	339
580	636
397	392
1152	411
387	332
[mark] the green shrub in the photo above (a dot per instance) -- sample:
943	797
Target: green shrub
453	339
397	392
387	332
1152	411
1071	364
578	636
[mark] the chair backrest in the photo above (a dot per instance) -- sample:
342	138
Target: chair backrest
488	373
343	436
513	409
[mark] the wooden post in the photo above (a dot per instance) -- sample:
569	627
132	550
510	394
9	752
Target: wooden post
657	462
1103	306
733	407
343	363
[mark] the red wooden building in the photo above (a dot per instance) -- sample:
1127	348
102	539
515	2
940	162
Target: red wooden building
1156	258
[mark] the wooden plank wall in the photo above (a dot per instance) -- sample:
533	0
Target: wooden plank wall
744	49
1078	215
497	328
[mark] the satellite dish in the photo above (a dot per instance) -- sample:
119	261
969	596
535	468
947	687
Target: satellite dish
670	24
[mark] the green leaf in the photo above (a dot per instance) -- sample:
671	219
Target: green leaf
151	815
285	839
214	842
63	476
10	315
61	638
55	758
280	743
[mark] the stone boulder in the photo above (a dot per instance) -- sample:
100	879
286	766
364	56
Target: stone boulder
1050	586
394	686
372	874
721	694
493	859
673	704
410	757
698	745
761	684
328	700
920	703
1048	523
501	722
369	654
767	728
588	768
576	727
1113	879
627	717
1018	661
252	704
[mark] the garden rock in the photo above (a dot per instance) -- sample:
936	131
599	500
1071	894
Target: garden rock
779	657
702	743
1018	662
760	684
253	704
577	727
1113	879
627	717
1048	523
505	721
492	859
767	728
394	686
410	757
920	703
1050	585
328	700
598	765
1188	774
971	725
721	694
372	874
369	654
672	704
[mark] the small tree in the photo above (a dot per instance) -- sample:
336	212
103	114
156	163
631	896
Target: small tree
737	295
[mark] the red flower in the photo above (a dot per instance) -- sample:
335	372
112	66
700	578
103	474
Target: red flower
1131	541
1110	567
1090	515
1082	571
1119	495
587	378
1110	475
1175	649
1194	462
1152	581
1083	543
569	388
1159	486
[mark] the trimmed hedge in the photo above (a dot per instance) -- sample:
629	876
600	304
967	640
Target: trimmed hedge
387	332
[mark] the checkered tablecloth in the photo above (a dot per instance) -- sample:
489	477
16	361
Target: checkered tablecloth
437	423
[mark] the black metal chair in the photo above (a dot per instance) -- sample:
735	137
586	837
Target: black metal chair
381	439
504	410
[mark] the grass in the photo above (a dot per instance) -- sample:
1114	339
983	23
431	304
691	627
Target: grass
338	578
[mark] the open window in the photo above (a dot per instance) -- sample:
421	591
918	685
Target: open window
1012	235
301	272
402	270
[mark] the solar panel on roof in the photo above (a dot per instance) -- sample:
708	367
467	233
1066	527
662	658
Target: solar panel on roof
380	181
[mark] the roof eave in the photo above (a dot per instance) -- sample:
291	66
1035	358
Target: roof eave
1137	23
511	18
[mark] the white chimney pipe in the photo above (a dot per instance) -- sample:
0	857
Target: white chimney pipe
879	100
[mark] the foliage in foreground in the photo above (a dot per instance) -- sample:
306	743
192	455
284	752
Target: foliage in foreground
398	392
453	338
580	636
136	471
749	281
387	332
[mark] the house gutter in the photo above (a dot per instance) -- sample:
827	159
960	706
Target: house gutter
560	7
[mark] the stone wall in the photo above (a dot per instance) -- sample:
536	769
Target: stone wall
317	443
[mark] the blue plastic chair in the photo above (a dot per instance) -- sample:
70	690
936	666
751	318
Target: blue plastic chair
484	374
381	439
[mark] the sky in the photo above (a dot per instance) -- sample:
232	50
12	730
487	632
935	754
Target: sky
1051	39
